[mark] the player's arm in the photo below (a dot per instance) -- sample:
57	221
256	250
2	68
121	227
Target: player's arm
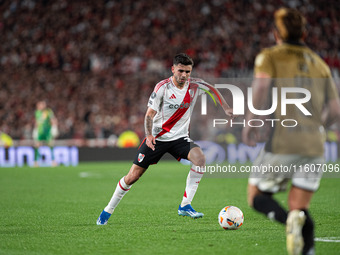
227	109
148	122
261	86
331	113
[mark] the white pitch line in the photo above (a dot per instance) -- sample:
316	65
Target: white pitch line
89	175
327	239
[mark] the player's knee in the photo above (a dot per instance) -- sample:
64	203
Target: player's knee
250	200
258	200
252	192
197	157
131	179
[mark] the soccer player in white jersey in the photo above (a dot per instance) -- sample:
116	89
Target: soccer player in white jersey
167	130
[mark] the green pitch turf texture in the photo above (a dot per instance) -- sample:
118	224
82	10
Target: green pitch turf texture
54	211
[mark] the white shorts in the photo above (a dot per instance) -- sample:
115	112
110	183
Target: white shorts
273	172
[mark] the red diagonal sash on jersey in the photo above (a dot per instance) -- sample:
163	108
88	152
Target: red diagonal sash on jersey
167	126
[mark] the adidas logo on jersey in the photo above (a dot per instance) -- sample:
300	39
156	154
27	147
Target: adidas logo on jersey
172	96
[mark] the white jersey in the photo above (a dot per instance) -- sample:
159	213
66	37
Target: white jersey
174	107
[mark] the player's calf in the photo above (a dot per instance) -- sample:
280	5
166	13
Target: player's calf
308	235
121	189
265	204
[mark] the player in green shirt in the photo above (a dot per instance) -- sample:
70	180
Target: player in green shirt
45	129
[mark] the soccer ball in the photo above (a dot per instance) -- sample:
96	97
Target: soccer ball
230	217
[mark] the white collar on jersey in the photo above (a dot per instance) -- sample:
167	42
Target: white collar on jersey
185	85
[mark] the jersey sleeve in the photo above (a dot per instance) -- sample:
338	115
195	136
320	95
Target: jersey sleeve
202	86
263	64
156	98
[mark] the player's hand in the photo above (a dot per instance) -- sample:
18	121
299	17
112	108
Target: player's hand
250	136
150	142
229	112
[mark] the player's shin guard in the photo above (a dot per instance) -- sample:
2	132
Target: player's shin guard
308	234
121	189
194	177
264	203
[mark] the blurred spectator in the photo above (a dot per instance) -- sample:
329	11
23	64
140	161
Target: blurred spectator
5	140
128	139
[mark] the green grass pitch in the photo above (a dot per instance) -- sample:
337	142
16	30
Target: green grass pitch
54	211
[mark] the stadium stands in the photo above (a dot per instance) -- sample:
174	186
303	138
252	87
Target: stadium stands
96	62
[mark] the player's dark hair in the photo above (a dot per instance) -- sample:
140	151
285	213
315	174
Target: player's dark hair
290	24
183	59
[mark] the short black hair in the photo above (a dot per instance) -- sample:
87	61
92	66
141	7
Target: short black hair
183	59
290	24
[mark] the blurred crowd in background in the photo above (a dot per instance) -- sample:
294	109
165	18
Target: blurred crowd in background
96	62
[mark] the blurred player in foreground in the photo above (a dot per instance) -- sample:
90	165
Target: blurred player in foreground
167	122
302	145
45	130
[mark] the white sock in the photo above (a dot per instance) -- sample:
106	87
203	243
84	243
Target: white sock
194	177
121	189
